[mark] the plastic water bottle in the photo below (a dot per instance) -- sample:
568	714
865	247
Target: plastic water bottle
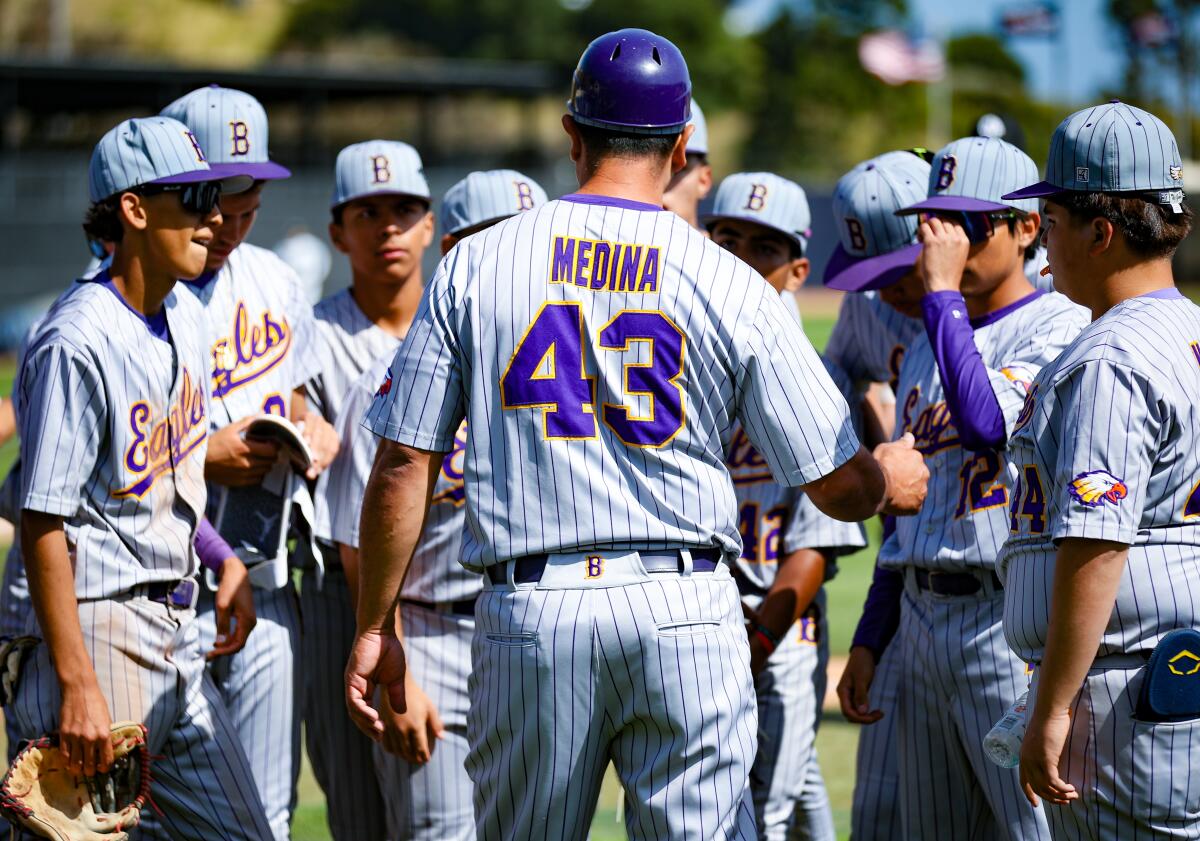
1002	744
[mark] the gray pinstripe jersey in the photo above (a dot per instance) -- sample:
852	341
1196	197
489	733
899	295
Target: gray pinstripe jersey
602	351
261	326
350	343
114	427
775	520
1106	448
434	575
869	339
964	520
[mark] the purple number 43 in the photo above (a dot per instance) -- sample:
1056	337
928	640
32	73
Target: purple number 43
548	371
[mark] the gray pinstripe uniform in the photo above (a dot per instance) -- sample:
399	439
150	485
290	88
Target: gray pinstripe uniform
430	802
776	521
129	511
262	348
1105	449
958	676
658	681
869	341
341	756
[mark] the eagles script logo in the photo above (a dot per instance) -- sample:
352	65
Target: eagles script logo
1096	487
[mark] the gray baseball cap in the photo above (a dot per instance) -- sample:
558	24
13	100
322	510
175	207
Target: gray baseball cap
146	150
766	199
1112	148
875	246
976	174
378	167
232	129
698	143
488	196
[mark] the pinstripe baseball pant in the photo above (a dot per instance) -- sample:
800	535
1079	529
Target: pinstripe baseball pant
261	686
433	802
875	813
1136	779
342	757
959	677
649	670
150	666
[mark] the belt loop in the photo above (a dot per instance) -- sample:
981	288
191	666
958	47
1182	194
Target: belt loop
510	573
685	557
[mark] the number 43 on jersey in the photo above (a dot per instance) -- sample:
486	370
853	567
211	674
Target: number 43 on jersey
548	371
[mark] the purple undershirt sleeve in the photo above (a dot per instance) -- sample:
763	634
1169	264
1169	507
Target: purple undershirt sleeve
210	546
881	611
969	395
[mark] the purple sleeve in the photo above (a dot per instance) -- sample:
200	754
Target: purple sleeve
881	611
969	394
210	546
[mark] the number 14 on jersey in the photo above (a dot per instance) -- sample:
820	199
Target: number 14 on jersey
548	371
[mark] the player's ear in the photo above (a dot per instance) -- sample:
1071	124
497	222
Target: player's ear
1100	234
798	271
1027	229
132	211
335	236
679	151
572	131
704	181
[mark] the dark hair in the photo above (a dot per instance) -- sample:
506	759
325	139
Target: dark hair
1151	229
337	213
695	159
602	143
103	220
1031	250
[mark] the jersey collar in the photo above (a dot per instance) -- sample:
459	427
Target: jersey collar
611	201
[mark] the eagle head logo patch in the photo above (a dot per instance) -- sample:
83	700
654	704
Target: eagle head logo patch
1096	487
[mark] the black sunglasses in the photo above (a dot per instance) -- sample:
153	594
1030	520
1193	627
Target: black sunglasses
199	197
978	225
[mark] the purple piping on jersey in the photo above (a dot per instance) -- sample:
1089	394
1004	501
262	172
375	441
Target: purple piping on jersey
156	324
995	315
969	395
210	546
881	611
1171	293
611	201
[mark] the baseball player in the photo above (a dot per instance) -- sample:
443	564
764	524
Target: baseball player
381	220
691	185
875	248
1103	459
788	547
421	772
601	382
262	351
960	387
114	427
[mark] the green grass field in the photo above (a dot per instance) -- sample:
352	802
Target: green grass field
836	741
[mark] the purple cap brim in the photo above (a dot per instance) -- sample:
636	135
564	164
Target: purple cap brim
958	204
192	176
1035	191
860	274
265	171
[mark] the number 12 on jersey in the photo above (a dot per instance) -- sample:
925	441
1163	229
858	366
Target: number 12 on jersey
548	371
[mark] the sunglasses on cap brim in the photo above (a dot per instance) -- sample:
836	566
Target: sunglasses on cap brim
978	225
199	197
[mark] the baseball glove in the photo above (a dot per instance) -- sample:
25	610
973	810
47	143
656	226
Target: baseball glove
39	793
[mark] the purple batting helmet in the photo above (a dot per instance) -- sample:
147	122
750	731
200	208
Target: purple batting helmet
632	81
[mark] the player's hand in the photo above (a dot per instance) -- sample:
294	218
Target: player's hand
376	659
907	475
758	656
85	729
1041	751
236	461
322	439
234	601
853	688
413	733
943	255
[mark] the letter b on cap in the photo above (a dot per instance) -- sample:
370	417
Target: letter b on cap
524	195
858	237
757	199
380	172
239	135
945	175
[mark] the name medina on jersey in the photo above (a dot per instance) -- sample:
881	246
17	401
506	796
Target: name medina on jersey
158	444
603	266
249	351
934	428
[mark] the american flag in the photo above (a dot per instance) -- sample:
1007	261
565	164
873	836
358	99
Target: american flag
895	58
